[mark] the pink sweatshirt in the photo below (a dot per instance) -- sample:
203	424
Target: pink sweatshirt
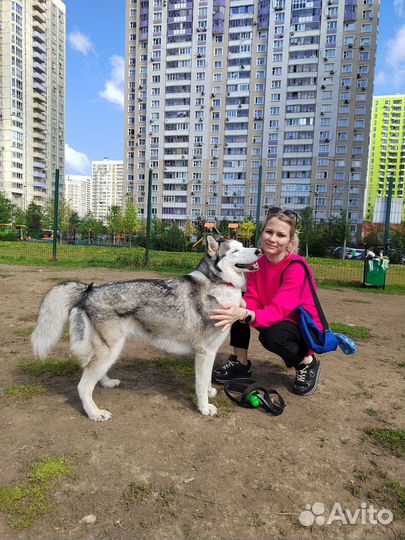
273	303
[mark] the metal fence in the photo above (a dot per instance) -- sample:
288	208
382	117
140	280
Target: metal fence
330	269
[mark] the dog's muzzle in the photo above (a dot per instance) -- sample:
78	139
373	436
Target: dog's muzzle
250	267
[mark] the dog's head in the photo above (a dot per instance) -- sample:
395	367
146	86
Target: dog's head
230	258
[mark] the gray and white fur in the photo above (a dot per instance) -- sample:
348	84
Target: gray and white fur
171	314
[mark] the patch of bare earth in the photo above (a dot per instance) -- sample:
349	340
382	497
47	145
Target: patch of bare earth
159	470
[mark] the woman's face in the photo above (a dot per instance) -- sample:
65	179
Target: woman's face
275	239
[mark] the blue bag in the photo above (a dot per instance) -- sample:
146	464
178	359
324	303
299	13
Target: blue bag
319	341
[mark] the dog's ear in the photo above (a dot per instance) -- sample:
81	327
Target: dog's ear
212	246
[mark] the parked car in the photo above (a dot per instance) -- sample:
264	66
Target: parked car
350	253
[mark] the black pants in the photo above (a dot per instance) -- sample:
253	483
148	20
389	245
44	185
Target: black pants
283	339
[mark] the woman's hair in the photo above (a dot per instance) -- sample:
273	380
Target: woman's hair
292	222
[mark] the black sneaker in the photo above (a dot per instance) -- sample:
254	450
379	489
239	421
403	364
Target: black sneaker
306	378
233	369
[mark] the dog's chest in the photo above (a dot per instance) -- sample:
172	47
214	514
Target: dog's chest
226	295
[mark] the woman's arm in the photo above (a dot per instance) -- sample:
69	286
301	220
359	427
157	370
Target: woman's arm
229	314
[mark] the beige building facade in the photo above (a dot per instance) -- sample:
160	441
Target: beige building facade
107	187
32	98
219	92
78	193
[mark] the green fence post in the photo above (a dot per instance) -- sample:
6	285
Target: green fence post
258	206
148	218
388	215
55	215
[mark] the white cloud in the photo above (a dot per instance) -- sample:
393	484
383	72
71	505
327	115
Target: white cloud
399	6
396	57
76	162
81	43
380	78
114	86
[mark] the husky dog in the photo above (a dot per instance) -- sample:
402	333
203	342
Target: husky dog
171	314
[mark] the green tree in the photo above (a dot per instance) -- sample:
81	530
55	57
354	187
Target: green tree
64	213
223	228
33	219
7	209
89	227
19	216
115	221
130	221
247	231
74	222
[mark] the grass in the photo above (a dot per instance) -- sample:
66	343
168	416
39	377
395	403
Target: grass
181	368
374	486
328	272
136	493
360	333
391	439
24	332
51	367
24	391
392	495
61	280
183	371
28	502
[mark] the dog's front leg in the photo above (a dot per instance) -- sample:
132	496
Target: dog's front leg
204	360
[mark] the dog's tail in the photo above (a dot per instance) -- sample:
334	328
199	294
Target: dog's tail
53	314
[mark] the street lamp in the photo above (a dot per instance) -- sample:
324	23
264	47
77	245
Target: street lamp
315	194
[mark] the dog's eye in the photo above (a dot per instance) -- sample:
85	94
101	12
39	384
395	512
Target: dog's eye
235	251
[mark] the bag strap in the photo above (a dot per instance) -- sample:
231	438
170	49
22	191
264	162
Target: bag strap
318	306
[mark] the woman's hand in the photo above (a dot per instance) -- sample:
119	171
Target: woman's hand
227	315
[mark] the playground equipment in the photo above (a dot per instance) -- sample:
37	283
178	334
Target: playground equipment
209	228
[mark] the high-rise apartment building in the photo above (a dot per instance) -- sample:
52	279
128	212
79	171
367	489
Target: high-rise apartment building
78	193
219	91
386	159
107	187
32	98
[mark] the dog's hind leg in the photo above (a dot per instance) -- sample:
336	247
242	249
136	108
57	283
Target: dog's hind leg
204	360
96	369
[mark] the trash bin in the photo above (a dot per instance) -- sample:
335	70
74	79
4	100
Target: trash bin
375	272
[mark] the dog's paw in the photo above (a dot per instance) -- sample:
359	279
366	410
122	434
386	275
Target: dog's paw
100	416
212	392
210	410
110	383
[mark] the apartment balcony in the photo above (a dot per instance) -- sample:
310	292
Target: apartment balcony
38	57
39	117
39	67
39	77
39	165
38	175
173	216
39	135
39	47
39	104
38	16
39	24
39	36
175	204
39	87
39	184
39	148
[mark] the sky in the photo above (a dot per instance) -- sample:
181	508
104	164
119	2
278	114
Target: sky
95	61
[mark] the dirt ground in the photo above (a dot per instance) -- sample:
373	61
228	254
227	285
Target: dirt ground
159	470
